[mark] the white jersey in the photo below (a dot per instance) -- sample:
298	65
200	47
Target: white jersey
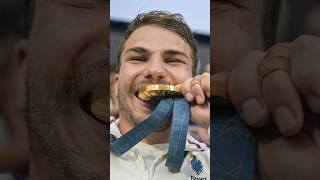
147	162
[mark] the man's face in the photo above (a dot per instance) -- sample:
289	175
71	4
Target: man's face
66	61
236	29
150	55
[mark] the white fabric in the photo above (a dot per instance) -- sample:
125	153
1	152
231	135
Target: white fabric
147	162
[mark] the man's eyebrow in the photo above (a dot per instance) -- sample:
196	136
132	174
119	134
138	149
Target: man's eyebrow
139	50
175	52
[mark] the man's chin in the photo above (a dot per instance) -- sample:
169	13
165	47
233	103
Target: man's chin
143	111
147	107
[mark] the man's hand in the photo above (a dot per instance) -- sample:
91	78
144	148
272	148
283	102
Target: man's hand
285	105
280	94
200	133
196	90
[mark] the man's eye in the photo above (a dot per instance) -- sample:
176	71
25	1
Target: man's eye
173	60
137	58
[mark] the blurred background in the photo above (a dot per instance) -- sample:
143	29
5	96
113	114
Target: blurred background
298	17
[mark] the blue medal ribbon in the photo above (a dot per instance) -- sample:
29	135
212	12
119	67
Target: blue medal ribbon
178	134
180	111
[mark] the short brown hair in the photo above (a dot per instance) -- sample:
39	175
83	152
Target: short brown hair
171	22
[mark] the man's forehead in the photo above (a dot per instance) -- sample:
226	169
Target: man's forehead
151	36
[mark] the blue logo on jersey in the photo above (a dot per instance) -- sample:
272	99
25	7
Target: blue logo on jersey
196	165
112	138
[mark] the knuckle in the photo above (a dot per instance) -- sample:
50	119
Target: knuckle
303	41
205	74
196	88
272	81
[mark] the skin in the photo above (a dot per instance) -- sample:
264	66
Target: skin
234	30
114	106
66	59
13	154
287	142
292	139
153	54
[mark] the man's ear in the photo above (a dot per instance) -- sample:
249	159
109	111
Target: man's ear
20	53
116	84
20	56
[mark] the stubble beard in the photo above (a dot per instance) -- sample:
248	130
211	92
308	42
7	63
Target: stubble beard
47	147
127	112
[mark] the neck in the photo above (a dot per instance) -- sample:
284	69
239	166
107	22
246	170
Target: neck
157	137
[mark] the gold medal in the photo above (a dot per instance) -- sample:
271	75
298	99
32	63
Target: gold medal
99	109
156	92
99	105
153	92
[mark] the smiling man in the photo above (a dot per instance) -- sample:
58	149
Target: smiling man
158	48
66	61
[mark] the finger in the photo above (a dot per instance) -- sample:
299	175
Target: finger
205	83
245	91
305	67
197	91
186	89
283	101
201	114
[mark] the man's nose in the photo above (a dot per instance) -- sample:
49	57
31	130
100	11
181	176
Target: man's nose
155	69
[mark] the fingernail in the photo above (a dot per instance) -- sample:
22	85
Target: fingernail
199	99
189	97
253	112
284	119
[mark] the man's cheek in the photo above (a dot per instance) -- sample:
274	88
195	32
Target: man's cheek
184	73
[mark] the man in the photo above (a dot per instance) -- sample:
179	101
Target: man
158	48
284	102
66	61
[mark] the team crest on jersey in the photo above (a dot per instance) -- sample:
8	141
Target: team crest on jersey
196	165
112	138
